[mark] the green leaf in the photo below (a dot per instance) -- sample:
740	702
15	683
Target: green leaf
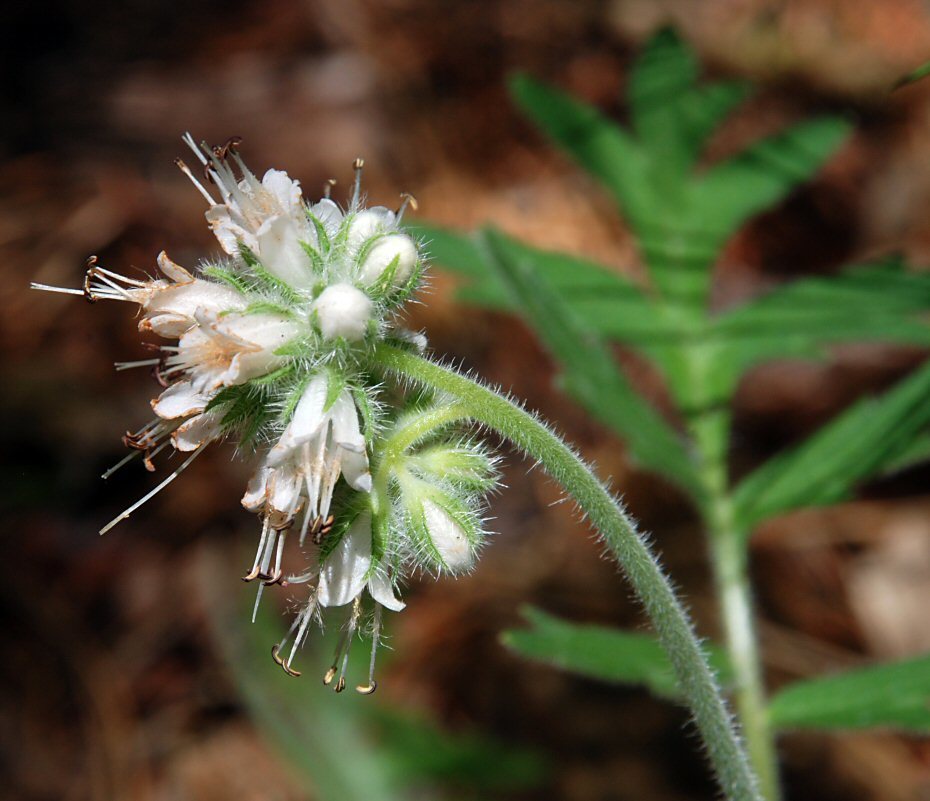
681	220
672	116
608	153
915	454
590	374
419	749
880	302
914	75
893	696
598	652
848	450
872	303
730	193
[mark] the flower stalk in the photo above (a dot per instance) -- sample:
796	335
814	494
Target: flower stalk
621	536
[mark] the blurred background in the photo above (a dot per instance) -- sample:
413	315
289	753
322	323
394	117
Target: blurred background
128	668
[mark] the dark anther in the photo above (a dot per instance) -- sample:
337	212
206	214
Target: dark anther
284	666
230	146
320	528
274	578
340	685
88	275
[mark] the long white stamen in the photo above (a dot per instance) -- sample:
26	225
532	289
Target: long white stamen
277	558
189	141
118	277
112	285
199	186
302	631
149	495
266	527
347	647
129	365
375	641
63	290
121	463
266	562
357	184
305	526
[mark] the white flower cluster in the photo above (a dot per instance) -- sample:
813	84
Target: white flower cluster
271	350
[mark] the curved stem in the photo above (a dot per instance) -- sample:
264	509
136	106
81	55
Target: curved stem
619	532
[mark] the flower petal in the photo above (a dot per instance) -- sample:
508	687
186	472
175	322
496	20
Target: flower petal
173	271
197	431
306	422
328	213
355	470
281	254
380	589
256	492
344	573
180	400
229	233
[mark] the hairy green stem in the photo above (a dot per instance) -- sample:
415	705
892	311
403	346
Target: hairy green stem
619	531
729	557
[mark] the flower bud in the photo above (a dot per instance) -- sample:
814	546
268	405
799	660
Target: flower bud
463	464
444	531
392	259
366	224
448	537
343	311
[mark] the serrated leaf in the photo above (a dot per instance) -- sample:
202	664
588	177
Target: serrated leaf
590	373
895	696
827	467
598	652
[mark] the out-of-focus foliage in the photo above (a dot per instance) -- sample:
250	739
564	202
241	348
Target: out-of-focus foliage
894	696
351	748
852	447
593	651
682	216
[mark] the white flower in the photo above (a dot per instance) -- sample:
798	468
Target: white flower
348	570
319	444
267	216
343	311
169	307
229	349
344	576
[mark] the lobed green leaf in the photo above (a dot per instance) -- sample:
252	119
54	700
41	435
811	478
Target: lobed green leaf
895	696
598	652
589	371
846	451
